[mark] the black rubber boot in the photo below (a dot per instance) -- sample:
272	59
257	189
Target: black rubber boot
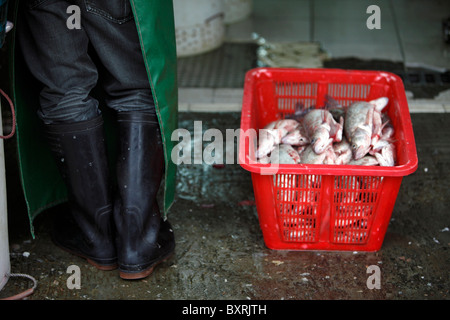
86	229
143	238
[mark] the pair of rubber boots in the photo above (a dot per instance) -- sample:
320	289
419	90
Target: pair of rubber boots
120	228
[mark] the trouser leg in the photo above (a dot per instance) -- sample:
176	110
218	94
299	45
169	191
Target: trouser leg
58	58
112	32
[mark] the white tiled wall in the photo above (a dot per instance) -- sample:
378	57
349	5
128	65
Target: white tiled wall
411	32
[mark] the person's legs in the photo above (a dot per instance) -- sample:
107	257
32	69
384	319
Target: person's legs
58	58
143	239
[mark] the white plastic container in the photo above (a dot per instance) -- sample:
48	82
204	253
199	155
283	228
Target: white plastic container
237	10
5	266
199	26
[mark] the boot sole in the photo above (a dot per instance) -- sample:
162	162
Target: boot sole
143	274
100	266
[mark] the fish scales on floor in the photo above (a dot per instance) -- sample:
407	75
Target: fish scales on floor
360	134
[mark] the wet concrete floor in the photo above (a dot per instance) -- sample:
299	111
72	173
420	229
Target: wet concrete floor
220	252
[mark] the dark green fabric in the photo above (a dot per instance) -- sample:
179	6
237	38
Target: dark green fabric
42	185
155	24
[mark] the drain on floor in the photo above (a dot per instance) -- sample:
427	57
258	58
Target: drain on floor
425	77
421	81
226	66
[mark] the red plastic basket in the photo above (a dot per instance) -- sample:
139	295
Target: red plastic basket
323	207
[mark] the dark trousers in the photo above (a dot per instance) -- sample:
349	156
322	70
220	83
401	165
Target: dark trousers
69	62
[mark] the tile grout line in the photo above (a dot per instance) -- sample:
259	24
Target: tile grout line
397	34
223	100
230	107
216	104
311	21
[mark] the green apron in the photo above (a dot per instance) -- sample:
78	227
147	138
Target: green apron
42	184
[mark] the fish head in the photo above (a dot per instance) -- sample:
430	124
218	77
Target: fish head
360	146
321	140
295	138
302	140
361	141
342	146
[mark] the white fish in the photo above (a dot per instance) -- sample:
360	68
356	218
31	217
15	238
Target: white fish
343	152
270	136
379	103
284	154
311	157
384	149
378	131
322	129
264	159
358	128
297	137
268	140
360	120
386	156
286	124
